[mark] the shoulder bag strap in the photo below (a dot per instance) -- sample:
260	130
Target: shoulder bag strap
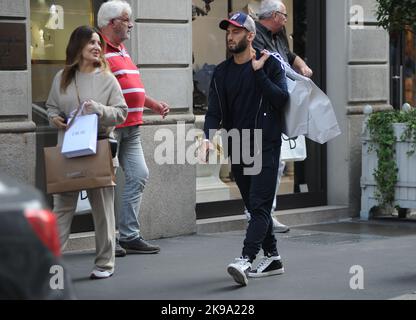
80	107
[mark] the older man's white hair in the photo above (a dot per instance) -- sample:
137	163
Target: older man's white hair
267	7
110	10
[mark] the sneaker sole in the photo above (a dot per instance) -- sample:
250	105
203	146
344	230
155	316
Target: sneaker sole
120	255
94	277
237	276
266	274
132	251
281	230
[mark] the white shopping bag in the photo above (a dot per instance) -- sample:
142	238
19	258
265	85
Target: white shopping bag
293	149
80	138
295	113
309	111
322	122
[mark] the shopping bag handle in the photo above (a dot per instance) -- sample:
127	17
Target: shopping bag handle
76	113
80	107
290	140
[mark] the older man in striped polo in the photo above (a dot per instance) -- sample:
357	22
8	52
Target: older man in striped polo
114	21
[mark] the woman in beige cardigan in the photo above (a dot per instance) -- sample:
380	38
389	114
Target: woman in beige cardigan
86	79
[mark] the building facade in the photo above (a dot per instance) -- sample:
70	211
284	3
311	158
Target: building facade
176	43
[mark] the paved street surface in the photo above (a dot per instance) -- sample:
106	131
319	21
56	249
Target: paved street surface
317	261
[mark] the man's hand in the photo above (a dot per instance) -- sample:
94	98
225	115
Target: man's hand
302	68
258	64
59	122
306	71
162	108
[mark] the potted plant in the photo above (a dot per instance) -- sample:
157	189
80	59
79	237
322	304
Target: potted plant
389	161
389	140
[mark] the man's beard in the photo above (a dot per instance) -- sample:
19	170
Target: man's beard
239	47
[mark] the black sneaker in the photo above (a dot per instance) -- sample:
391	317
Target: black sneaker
268	266
120	251
139	245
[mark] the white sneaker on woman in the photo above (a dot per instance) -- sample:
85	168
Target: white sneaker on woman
100	274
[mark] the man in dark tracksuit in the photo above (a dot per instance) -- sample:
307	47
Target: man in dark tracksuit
271	35
247	92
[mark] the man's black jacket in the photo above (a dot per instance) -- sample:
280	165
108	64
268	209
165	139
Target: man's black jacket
271	82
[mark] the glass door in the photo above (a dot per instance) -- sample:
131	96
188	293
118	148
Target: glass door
303	183
308	42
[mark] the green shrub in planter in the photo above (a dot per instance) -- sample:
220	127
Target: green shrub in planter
383	140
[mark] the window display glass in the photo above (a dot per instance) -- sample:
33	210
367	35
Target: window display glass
51	24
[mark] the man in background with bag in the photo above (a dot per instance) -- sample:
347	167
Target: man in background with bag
114	21
271	35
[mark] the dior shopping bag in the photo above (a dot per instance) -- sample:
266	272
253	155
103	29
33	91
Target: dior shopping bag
80	138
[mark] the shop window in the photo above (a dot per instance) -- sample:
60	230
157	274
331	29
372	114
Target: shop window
209	46
209	49
304	182
51	24
209	43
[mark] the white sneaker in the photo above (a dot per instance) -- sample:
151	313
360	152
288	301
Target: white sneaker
279	227
239	270
268	266
99	274
248	214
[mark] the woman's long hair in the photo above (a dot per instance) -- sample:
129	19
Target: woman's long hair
78	40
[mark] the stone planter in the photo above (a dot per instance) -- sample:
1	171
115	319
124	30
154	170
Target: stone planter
405	189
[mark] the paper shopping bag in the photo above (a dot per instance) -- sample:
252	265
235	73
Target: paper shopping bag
293	149
322	123
309	111
295	113
80	173
80	138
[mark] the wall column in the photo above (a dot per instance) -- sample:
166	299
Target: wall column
17	131
161	44
357	74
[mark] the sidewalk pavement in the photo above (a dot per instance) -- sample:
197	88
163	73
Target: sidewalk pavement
317	261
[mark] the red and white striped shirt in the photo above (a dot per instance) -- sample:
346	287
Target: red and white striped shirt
128	75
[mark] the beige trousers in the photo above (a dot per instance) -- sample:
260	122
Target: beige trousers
102	204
